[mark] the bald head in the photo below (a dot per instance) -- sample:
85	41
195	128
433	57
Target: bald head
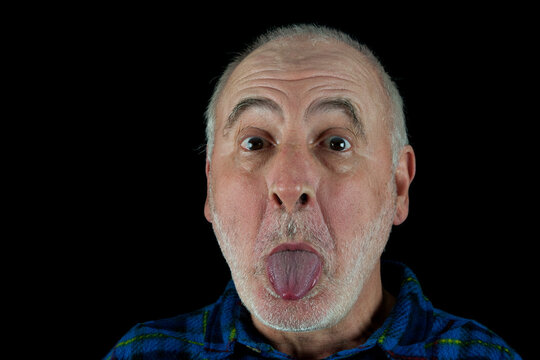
299	47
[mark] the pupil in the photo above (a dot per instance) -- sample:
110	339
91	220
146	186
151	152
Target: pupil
255	144
337	144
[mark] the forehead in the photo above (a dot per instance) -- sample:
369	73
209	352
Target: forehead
298	71
303	54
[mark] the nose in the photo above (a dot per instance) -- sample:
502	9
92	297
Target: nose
292	180
290	198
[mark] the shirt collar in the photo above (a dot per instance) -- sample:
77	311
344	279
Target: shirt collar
409	322
411	319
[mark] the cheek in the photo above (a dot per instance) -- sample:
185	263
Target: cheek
238	198
348	204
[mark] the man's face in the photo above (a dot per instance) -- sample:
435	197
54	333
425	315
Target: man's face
301	192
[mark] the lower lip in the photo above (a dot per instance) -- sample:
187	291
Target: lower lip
296	247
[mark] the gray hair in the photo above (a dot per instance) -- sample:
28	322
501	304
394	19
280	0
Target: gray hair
315	33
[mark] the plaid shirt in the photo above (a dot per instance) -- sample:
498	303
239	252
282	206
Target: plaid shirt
413	331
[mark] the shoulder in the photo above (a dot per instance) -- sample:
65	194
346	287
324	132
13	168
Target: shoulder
163	339
453	337
417	330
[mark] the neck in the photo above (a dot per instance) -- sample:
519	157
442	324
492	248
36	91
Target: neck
367	315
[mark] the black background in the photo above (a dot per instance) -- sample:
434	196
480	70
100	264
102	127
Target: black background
121	183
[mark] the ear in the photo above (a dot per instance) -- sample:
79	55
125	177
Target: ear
207	212
405	171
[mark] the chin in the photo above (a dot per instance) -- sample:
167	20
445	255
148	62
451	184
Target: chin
321	308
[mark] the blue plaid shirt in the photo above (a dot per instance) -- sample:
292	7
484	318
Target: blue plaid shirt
414	330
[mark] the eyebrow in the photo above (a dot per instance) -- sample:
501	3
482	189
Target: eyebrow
248	103
327	104
343	104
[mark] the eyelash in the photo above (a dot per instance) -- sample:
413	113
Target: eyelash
262	143
327	142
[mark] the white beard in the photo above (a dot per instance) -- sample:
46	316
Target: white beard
334	296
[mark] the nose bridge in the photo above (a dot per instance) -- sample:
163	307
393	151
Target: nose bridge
292	178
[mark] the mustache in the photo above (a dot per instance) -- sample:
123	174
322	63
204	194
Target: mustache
283	227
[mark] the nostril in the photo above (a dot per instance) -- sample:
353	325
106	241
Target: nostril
300	201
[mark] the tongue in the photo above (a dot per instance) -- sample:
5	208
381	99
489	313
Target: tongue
293	273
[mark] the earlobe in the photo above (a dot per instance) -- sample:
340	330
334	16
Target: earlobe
404	175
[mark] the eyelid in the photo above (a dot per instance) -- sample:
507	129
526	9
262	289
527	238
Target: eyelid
327	140
343	133
243	143
253	132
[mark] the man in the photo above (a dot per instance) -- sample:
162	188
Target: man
308	168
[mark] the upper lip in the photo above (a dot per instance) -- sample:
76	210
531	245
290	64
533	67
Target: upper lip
297	246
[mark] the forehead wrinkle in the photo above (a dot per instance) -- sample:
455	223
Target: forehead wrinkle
249	103
338	104
272	69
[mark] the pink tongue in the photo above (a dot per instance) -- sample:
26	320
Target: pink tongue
293	273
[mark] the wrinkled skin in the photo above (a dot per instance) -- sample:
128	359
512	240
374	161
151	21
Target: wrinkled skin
285	169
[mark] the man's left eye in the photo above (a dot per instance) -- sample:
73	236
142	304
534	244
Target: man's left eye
337	143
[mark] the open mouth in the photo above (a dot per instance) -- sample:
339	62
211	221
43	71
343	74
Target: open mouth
293	270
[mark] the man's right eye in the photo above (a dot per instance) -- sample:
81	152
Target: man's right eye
253	143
